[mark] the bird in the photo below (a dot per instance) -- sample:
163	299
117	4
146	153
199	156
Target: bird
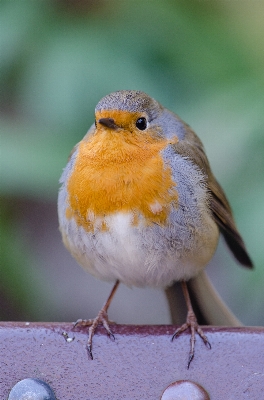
139	205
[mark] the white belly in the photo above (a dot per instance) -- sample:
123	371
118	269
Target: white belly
140	255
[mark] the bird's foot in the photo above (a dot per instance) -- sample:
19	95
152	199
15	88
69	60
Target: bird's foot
102	318
191	322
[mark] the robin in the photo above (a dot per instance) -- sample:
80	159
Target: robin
140	205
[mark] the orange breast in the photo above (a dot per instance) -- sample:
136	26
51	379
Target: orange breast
121	171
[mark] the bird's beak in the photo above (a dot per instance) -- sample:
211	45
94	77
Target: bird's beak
108	122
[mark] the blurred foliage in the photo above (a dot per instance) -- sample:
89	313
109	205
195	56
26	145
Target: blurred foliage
202	59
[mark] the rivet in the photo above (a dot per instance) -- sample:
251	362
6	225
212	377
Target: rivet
185	390
31	389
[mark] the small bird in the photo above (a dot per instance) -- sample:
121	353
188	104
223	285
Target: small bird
139	204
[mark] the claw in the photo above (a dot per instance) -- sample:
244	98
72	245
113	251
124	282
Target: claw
179	331
102	318
192	324
89	351
111	336
82	322
190	360
79	321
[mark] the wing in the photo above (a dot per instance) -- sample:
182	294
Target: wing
223	216
192	148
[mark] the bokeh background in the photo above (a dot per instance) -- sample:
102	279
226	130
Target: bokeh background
202	59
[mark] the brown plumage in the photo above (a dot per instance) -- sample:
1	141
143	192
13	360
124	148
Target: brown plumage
192	148
140	205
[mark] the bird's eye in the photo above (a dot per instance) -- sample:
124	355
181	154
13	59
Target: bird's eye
141	123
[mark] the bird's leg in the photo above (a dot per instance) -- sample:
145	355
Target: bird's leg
102	318
191	322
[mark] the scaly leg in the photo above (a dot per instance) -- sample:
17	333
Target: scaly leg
191	322
102	318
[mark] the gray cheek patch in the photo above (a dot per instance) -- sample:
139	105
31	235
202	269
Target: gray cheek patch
171	125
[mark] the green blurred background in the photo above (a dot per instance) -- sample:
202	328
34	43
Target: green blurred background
202	59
